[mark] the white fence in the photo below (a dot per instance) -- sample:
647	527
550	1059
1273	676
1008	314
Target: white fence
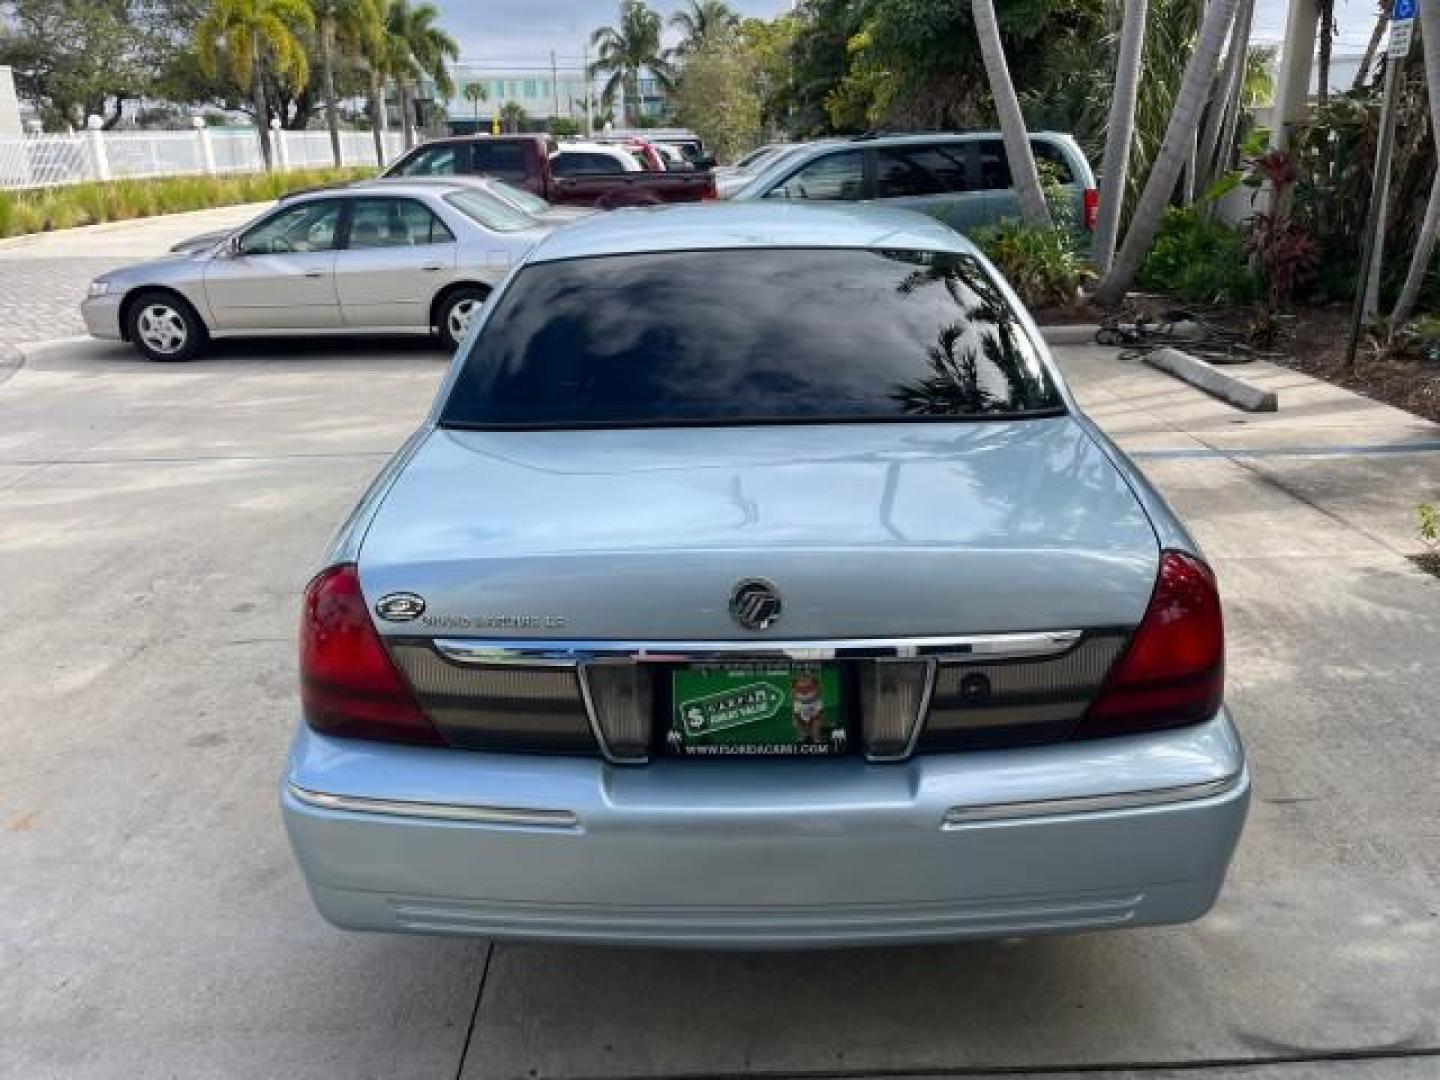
32	161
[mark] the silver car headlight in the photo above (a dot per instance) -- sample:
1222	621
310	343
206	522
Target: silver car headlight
99	287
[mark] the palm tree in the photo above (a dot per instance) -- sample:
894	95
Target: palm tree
1377	32
351	24
475	93
415	48
1327	42
1430	227
249	36
376	52
1120	131
625	51
1012	123
699	21
512	115
1194	89
1218	141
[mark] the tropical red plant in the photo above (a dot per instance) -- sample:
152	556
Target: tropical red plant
1284	253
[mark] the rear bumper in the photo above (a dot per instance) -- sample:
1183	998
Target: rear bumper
1122	832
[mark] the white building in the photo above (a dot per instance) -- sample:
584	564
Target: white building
543	91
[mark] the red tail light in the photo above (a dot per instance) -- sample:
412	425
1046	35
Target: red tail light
348	683
1173	672
710	191
1091	209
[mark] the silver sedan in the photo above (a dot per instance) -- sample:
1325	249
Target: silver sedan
407	259
757	582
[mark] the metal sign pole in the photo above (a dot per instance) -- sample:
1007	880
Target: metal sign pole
1402	28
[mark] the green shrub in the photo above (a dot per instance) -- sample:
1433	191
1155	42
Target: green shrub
1199	261
1044	266
43	209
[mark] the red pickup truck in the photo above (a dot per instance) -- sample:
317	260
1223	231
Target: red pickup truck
524	160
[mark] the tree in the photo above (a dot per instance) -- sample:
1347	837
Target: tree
416	48
717	96
1160	184
512	115
1012	124
1218	142
1362	73
250	36
79	58
1425	241
375	55
1120	131
347	24
625	51
698	20
475	93
769	44
1326	8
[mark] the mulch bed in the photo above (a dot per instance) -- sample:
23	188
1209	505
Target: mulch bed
1318	349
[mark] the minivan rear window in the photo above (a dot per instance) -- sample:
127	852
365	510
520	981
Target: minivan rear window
502	159
758	335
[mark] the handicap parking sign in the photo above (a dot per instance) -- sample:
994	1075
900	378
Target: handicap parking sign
1404	9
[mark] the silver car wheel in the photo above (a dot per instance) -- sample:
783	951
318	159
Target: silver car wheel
162	328
461	312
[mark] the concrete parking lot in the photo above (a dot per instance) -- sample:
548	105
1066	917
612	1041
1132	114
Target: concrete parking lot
157	523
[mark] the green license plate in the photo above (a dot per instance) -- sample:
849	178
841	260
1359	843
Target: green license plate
756	710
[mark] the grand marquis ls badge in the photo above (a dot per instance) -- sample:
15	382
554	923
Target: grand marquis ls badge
755	604
400	607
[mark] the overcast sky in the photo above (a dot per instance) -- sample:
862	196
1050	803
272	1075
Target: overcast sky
522	32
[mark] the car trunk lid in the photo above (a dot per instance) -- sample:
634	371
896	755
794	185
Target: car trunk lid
870	530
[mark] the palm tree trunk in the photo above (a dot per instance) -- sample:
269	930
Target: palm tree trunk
327	85
1188	186
1120	131
378	120
1217	143
1194	89
257	95
1425	242
1033	210
1368	60
1327	42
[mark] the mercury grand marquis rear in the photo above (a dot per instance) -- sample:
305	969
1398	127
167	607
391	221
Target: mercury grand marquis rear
756	581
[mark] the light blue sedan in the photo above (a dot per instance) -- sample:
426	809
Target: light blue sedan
756	582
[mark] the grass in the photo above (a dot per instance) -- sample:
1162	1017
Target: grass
45	209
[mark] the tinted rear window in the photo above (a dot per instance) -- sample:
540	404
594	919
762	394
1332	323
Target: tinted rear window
500	158
755	335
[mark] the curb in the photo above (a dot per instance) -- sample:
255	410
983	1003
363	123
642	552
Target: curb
1213	381
1077	334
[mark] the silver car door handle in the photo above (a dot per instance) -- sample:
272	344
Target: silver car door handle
432	268
314	273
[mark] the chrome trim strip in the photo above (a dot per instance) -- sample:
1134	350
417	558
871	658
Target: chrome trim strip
959	817
475	815
539	652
